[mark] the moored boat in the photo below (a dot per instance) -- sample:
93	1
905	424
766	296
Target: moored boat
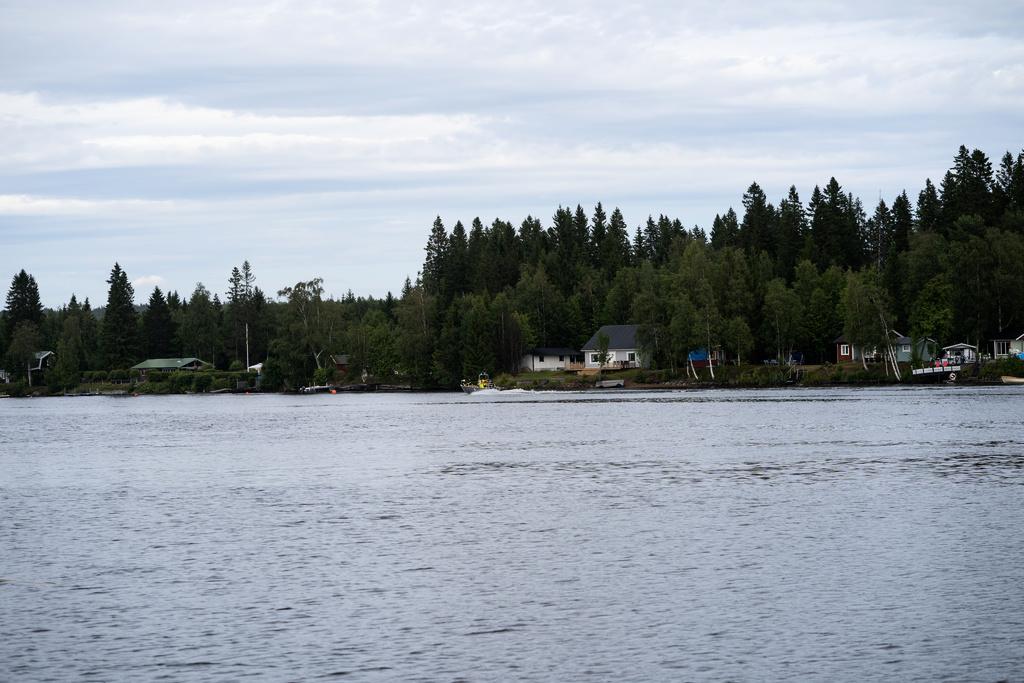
1009	379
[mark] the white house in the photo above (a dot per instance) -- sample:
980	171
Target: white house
960	354
1003	348
551	358
623	349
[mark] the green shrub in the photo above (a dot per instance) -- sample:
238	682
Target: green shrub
179	382
1013	367
222	383
236	366
322	376
201	382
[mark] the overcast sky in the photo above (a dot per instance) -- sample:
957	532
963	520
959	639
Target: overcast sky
321	138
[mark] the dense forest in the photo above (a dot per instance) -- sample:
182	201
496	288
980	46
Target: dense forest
947	264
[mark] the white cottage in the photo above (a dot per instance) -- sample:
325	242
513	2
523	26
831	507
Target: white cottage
623	349
551	358
1004	348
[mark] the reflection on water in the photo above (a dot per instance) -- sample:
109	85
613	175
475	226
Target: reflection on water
869	534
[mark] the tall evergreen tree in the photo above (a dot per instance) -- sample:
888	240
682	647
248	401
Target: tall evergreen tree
757	228
902	223
879	235
23	304
458	268
435	263
598	233
613	250
119	331
929	208
158	333
725	230
792	225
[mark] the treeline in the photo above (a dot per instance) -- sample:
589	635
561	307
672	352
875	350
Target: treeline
946	264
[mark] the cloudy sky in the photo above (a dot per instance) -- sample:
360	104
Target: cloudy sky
321	138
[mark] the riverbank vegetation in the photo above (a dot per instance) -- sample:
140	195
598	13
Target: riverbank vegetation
946	262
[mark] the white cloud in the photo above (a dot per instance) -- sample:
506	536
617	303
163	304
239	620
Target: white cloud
35	205
147	281
288	124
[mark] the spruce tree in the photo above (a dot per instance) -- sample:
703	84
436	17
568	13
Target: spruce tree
878	235
434	265
725	230
118	335
158	327
792	226
756	230
614	248
598	233
929	208
458	268
23	303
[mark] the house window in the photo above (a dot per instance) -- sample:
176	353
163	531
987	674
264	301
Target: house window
631	357
595	358
561	359
540	359
906	348
1002	348
844	350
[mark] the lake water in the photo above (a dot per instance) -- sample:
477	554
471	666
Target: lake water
865	534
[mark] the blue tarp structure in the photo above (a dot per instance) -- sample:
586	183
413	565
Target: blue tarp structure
698	355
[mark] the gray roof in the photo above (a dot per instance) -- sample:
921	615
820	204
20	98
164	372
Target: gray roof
167	363
619	337
904	339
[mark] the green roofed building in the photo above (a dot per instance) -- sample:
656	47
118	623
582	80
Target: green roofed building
169	365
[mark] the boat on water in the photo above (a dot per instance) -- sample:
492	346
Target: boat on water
483	383
1008	379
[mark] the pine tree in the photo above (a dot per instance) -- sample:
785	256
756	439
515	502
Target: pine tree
879	235
598	233
23	303
90	337
792	226
533	240
929	208
434	265
158	327
756	230
118	335
475	246
902	223
614	247
725	230
458	268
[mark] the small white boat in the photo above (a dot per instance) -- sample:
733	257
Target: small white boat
1009	379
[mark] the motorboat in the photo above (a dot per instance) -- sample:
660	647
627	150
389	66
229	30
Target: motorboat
483	382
